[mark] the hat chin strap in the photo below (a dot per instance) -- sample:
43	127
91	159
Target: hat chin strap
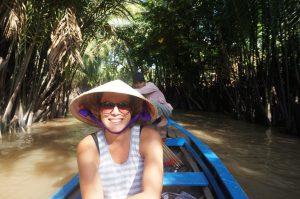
145	116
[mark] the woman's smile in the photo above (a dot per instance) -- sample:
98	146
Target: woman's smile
115	120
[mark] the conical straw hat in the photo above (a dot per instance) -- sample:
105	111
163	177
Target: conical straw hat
90	100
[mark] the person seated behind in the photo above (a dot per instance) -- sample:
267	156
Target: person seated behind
152	92
122	159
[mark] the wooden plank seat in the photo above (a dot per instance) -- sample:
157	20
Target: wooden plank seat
175	141
185	179
195	178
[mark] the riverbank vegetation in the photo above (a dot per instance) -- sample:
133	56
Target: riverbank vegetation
240	57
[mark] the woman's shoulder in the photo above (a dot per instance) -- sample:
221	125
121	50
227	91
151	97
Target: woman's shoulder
150	141
86	141
148	128
149	132
87	147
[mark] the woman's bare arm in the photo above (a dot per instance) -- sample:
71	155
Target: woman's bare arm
88	161
152	152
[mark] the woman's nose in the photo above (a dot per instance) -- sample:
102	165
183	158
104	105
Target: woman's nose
115	110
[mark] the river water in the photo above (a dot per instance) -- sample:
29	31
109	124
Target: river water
265	162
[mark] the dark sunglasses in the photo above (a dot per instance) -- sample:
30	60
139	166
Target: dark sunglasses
108	107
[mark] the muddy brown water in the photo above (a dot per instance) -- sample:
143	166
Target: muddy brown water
265	162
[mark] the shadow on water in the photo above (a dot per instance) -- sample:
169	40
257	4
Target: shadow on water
264	161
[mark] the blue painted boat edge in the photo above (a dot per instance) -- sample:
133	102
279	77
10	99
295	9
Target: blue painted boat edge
234	189
64	191
175	141
185	179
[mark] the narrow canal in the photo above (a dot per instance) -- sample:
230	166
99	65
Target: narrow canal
265	162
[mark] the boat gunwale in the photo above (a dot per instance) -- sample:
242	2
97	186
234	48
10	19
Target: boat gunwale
233	189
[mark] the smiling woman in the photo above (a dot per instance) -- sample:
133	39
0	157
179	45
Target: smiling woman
122	159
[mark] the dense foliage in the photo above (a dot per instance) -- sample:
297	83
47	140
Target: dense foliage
235	56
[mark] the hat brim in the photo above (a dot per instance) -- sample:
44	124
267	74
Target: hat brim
88	100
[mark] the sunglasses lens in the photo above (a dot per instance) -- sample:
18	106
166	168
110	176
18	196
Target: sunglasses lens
124	107
108	107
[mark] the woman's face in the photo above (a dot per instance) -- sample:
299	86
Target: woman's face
115	112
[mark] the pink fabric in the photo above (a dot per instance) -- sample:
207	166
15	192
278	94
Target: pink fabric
151	92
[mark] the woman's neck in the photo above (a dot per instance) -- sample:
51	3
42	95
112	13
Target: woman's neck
112	138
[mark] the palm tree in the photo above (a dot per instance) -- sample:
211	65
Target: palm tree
41	50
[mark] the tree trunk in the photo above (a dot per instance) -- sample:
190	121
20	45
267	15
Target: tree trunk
19	81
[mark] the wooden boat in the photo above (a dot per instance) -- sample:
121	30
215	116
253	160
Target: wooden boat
190	167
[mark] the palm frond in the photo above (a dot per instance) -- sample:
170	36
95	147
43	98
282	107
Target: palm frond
15	19
66	42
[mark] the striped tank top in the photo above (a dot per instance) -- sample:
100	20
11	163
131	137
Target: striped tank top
121	180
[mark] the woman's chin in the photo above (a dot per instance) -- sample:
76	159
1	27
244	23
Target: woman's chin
116	129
